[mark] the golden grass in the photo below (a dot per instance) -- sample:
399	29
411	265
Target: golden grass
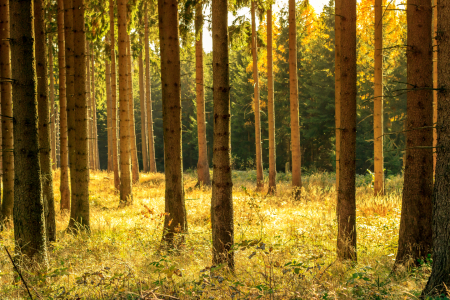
292	255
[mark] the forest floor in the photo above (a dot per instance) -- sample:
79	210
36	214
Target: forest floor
285	249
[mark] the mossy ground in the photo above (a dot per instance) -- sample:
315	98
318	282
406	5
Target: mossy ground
285	249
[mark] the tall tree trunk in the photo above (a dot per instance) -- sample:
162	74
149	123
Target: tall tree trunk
52	102
90	115
378	102
435	82
293	91
114	128
29	224
109	110
202	165
148	98
6	112
271	106
44	121
58	150
259	166
415	236
80	193
175	220
134	159
64	146
144	143
222	185
439	280
97	156
337	85
126	196
346	203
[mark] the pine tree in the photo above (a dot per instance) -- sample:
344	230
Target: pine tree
52	102
144	144
133	149
271	106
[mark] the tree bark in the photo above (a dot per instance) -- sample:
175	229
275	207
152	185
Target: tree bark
346	203
6	112
134	159
439	280
79	216
415	236
378	187
435	82
337	85
271	106
202	165
151	138
222	185
52	102
90	115
94	107
144	143
64	146
293	87
44	121
259	166
114	98
175	219
29	224
109	109
126	196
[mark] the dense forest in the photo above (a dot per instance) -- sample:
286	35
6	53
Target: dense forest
304	156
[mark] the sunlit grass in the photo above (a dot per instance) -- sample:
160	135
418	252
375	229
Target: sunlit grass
285	249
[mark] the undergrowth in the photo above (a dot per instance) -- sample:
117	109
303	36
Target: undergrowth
284	249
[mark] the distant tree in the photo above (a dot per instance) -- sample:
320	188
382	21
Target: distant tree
415	236
29	221
52	102
346	203
271	107
44	121
175	220
222	185
109	104
133	149
90	111
144	144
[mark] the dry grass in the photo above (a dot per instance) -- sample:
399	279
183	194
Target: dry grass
285	249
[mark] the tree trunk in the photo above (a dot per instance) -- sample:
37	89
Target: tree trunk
222	185
79	216
64	146
202	165
6	111
346	203
151	138
29	224
271	106
114	99
293	87
109	109
90	115
144	143
378	102
439	280
44	121
175	220
259	166
126	196
94	107
435	82
134	159
52	101
415	236
337	85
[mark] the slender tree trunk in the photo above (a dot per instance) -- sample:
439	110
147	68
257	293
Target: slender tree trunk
439	280
293	87
337	85
202	165
94	101
6	112
126	196
44	121
151	138
415	236
346	203
64	146
144	143
134	159
175	219
271	106
52	101
90	115
114	98
435	82
378	102
58	140
29	224
222	185
259	166
109	110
